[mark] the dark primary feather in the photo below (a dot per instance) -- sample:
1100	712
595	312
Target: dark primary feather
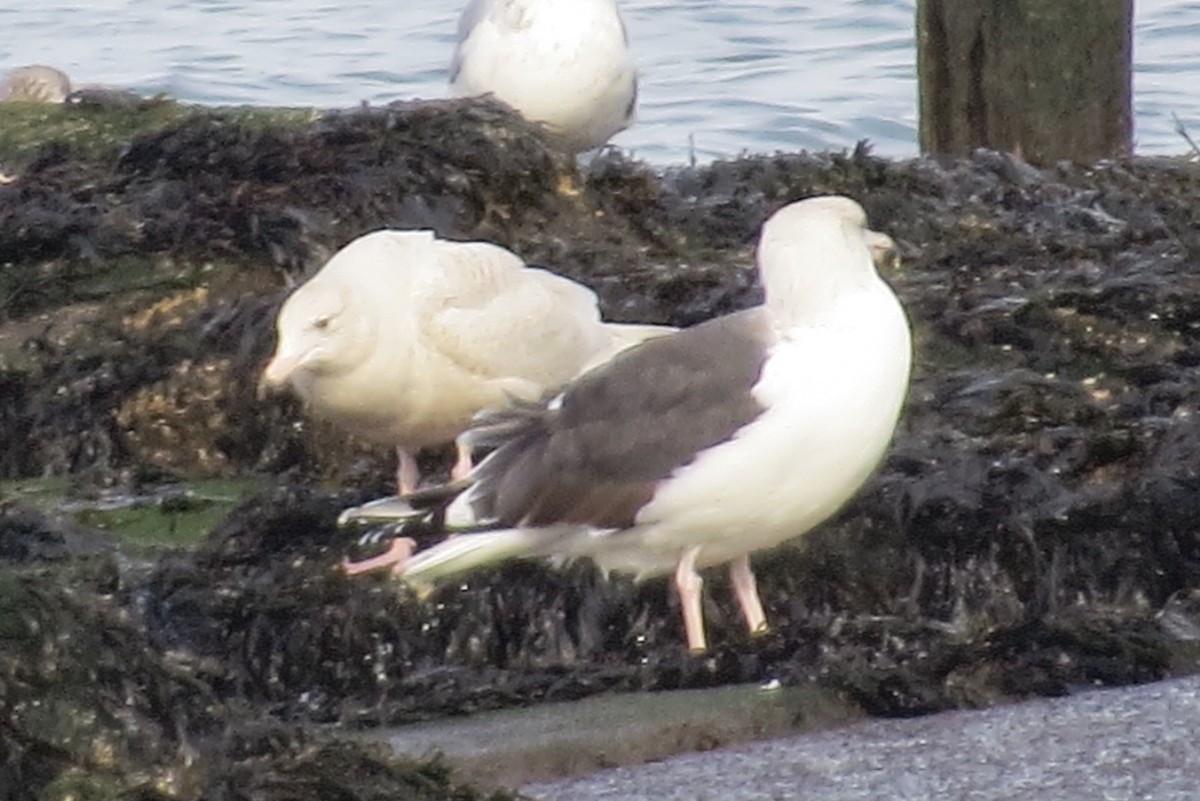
620	429
633	98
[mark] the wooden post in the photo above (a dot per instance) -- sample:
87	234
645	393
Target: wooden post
1044	79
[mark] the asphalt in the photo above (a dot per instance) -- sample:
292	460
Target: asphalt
1139	742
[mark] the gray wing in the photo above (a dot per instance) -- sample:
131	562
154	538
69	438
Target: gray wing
596	455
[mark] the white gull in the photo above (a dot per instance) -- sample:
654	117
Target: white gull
402	337
562	63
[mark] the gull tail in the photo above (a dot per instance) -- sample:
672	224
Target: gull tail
464	552
392	510
491	429
402	508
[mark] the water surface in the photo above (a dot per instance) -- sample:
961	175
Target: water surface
719	77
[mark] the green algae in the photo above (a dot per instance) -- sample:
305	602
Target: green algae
90	131
144	524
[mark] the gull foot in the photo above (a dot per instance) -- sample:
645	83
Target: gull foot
394	557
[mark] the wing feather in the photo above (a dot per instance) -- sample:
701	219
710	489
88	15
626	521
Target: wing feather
493	317
596	454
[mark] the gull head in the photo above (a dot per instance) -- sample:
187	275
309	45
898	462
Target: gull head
318	334
814	252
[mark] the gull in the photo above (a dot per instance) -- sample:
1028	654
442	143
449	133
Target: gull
698	448
402	337
562	63
35	83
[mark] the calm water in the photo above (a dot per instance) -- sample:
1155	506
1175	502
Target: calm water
728	75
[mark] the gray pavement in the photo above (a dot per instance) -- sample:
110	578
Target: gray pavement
1115	744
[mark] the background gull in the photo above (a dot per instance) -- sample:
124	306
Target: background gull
563	63
35	83
698	448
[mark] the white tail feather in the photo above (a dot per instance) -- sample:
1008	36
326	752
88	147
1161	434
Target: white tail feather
393	509
468	551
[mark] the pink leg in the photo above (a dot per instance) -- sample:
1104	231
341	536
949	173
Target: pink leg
688	583
394	557
408	475
745	589
463	465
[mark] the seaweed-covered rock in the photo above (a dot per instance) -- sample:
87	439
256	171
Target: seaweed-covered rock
82	695
91	707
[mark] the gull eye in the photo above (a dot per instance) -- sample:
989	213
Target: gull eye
322	322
